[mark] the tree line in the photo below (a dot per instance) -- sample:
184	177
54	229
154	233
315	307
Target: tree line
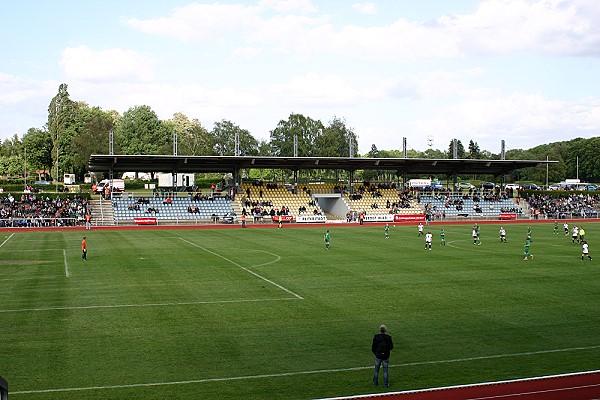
75	130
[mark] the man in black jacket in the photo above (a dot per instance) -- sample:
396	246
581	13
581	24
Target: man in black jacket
381	347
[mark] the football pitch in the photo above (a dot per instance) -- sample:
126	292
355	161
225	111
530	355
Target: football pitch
270	314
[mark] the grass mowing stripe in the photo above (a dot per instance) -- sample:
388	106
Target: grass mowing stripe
284	374
244	268
190	303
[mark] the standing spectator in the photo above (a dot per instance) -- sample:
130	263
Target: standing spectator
243	220
381	347
88	224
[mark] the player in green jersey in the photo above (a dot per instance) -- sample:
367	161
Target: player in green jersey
327	239
527	246
442	237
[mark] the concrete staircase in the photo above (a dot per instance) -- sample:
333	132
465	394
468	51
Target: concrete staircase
103	213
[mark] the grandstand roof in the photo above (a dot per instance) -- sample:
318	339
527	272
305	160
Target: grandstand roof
165	163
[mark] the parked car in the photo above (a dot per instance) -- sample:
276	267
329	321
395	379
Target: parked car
513	186
41	182
488	185
555	187
530	186
464	185
229	218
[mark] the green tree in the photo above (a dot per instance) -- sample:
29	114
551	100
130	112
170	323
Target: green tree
306	129
92	126
474	151
193	138
38	145
61	112
460	149
12	165
335	140
11	147
141	132
224	133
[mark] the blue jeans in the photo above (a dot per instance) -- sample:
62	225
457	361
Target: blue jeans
386	364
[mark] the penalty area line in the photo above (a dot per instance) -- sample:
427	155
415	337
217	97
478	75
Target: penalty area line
299	373
244	268
7	239
142	305
67	273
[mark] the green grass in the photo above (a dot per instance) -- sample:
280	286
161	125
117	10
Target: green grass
257	313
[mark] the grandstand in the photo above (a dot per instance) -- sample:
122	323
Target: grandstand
266	200
190	209
451	205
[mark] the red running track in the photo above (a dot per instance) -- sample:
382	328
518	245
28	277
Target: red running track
576	386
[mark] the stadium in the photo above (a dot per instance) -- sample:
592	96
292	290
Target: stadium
178	304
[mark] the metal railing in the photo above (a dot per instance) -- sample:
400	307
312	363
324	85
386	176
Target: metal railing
40	222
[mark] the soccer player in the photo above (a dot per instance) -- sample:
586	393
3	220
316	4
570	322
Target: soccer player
442	237
502	234
327	239
526	249
581	235
420	228
566	227
575	234
387	231
556	227
529	233
585	251
84	249
474	235
280	220
428	239
478	238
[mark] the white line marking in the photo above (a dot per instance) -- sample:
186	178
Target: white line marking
267	263
297	373
7	239
475	385
188	303
512	395
67	273
245	269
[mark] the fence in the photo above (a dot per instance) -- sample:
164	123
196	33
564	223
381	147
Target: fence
40	222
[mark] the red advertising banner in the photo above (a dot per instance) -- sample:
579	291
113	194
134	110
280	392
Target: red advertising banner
409	217
145	221
284	218
508	216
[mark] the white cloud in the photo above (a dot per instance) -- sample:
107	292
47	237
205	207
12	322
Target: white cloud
365	8
83	63
549	27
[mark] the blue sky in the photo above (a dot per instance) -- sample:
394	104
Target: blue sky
519	70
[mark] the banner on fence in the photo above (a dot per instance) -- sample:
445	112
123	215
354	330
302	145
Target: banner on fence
379	218
409	217
311	218
508	216
145	221
284	218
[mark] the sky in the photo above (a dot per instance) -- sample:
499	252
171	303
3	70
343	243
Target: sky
522	71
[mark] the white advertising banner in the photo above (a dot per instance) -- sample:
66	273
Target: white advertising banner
311	218
379	218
